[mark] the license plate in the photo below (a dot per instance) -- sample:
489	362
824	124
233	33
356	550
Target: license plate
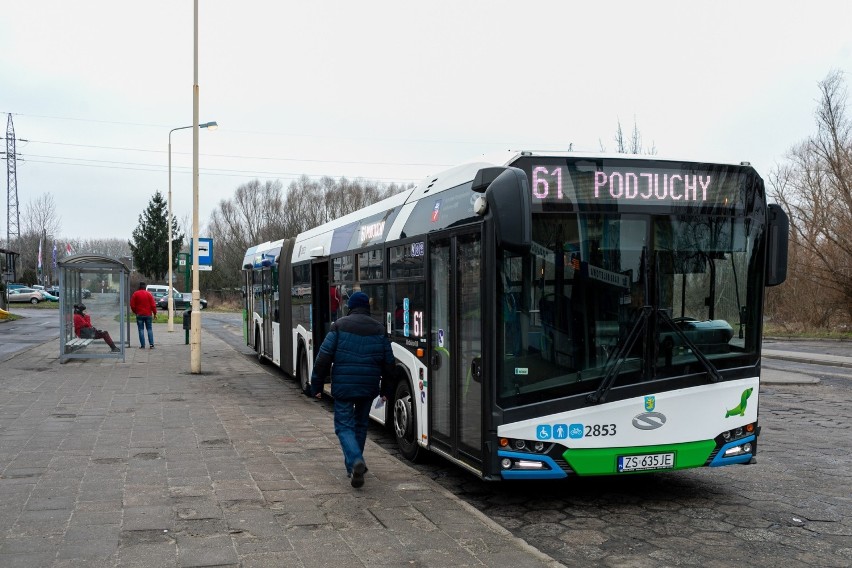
645	461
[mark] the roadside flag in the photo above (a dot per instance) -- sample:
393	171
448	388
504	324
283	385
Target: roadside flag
54	254
39	254
69	249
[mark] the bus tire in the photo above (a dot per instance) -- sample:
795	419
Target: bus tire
304	378
405	421
257	347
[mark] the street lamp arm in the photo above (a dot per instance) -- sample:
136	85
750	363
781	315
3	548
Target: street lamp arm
212	125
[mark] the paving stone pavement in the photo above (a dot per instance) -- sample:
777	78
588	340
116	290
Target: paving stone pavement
142	464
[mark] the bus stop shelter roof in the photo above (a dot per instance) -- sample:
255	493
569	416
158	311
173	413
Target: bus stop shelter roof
89	261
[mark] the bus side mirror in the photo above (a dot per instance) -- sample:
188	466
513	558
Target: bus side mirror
508	204
778	234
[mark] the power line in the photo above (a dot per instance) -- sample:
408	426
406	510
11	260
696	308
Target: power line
90	120
212	171
357	162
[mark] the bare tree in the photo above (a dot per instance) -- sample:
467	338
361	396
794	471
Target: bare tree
259	212
633	145
815	188
41	225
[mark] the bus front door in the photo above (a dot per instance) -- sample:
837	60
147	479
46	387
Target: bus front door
269	305
455	388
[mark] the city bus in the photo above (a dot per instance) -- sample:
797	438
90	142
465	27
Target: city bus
551	315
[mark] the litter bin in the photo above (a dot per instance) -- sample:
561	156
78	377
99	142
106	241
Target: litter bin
187	324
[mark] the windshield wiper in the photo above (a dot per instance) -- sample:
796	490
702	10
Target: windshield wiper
712	371
624	346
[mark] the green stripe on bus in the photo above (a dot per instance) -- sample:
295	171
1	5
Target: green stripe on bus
604	461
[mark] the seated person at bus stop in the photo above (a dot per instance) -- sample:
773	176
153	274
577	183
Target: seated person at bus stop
83	328
357	353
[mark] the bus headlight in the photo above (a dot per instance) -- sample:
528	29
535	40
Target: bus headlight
735	434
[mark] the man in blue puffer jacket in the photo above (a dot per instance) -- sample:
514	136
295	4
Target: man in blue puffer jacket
358	353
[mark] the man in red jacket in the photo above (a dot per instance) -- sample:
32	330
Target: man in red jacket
143	305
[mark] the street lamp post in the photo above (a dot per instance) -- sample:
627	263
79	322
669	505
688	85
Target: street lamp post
195	322
210	126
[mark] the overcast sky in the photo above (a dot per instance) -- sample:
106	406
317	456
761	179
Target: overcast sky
390	91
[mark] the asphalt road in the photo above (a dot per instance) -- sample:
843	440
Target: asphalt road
38	326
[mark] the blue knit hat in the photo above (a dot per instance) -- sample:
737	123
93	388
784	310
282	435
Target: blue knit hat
358	300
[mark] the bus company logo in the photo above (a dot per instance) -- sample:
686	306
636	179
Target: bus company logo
650	403
436	211
649	420
372	231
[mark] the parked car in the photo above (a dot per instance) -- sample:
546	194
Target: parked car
24	295
48	296
159	290
87	293
182	301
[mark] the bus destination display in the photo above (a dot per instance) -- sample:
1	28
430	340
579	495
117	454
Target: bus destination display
651	186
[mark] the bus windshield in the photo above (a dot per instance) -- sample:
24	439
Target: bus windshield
570	304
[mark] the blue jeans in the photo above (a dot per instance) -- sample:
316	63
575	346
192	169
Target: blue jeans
351	418
143	323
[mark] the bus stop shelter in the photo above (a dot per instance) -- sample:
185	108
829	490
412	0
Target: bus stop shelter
100	283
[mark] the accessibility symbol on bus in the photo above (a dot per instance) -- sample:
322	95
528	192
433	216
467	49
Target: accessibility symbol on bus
542	431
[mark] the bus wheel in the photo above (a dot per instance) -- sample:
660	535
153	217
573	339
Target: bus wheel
405	421
304	378
257	347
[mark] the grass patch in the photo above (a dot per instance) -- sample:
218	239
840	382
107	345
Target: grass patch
45	305
159	318
804	333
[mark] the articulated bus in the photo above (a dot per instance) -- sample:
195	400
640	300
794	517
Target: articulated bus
550	315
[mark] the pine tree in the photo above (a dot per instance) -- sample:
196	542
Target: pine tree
150	244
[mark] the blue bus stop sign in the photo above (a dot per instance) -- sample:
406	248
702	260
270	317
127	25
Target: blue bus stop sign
205	253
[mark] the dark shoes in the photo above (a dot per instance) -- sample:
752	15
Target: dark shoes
116	350
358	473
152	347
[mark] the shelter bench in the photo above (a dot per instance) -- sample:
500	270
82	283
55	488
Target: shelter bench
77	343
